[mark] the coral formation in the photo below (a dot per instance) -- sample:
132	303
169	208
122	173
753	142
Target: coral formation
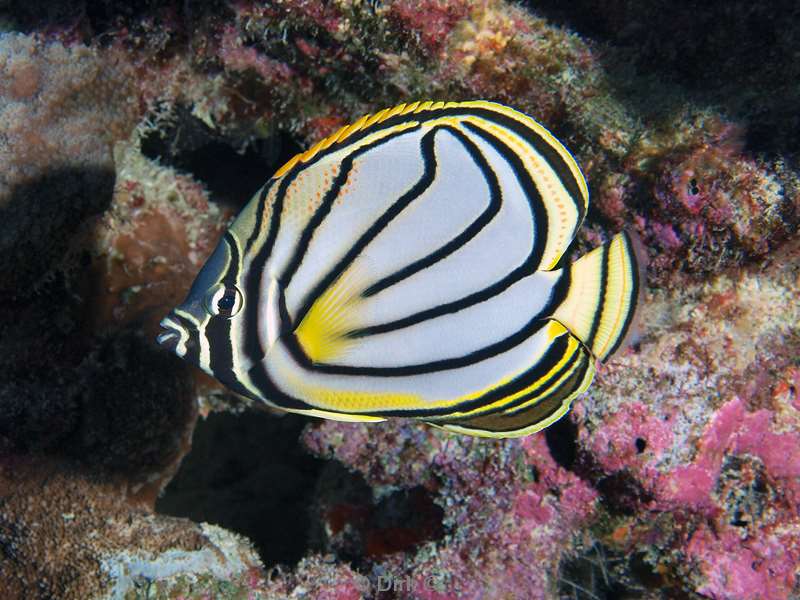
67	534
56	140
718	451
130	134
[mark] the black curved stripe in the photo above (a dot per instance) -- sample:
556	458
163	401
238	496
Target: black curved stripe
542	388
271	393
510	422
534	197
232	274
323	210
528	266
255	271
601	300
554	160
266	387
582	363
259	215
509	425
531	415
426	148
218	336
550	155
218	330
316	220
252	284
261	379
252	292
446	364
634	296
495	204
254	274
550	358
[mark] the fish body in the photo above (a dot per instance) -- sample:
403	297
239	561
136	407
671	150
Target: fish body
410	266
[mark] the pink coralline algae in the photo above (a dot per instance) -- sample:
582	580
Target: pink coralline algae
711	204
712	467
509	506
130	136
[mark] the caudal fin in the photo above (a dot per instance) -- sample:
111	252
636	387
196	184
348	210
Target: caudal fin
603	295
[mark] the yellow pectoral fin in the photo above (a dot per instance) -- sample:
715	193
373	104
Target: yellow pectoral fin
322	334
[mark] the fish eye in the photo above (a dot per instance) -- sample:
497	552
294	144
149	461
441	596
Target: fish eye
223	301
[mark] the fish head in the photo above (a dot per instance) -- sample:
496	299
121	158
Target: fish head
202	329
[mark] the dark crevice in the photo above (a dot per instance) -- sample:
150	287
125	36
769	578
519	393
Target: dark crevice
562	441
92	392
737	56
39	219
621	492
356	527
249	474
601	573
231	174
102	22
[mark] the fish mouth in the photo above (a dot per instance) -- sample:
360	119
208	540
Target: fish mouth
171	336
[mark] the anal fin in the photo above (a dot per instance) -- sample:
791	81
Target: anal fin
527	415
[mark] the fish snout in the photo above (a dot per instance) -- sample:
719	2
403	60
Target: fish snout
172	334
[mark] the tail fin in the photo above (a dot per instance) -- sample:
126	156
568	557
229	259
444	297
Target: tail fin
603	294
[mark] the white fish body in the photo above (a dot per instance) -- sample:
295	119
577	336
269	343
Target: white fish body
408	266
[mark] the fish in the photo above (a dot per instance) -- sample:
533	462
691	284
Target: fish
413	265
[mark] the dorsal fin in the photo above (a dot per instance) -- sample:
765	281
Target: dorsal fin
369	120
361	124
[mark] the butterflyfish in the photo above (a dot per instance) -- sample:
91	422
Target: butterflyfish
410	265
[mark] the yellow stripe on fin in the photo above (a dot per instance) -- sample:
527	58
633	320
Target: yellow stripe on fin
602	296
335	416
623	291
516	422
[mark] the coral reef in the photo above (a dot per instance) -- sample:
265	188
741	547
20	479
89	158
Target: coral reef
509	508
131	133
65	534
56	166
711	467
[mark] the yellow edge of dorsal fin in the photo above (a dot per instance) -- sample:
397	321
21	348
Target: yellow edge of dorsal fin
603	295
417	107
363	123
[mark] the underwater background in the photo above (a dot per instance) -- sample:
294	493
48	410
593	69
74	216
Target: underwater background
131	133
